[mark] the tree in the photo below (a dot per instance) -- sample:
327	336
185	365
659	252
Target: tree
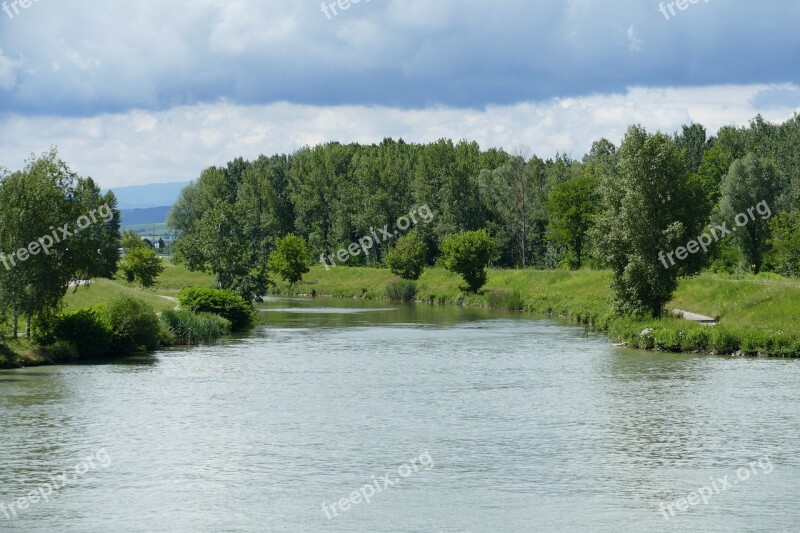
37	262
509	191
140	262
644	215
407	258
468	254
786	243
290	258
750	182
572	206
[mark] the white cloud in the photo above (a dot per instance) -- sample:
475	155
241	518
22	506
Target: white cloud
634	41
175	145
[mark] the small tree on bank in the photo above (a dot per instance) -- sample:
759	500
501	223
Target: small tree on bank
290	258
468	254
140	262
407	258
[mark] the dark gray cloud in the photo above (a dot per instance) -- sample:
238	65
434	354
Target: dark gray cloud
82	58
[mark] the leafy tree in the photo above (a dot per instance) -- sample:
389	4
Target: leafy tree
468	254
749	182
572	207
140	262
645	215
290	258
786	243
38	261
510	191
692	140
407	258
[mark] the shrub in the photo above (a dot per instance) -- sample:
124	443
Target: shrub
61	352
290	258
468	254
189	328
87	330
226	304
697	339
134	323
511	300
401	290
407	258
720	341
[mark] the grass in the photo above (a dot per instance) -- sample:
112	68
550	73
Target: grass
103	290
757	314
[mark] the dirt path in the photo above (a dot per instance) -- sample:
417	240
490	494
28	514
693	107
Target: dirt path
694	317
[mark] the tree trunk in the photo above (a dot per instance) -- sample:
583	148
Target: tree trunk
16	325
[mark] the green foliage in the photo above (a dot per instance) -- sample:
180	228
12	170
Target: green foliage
290	258
134	323
572	206
140	262
401	290
224	303
647	210
785	243
750	182
407	258
188	328
468	254
505	299
87	329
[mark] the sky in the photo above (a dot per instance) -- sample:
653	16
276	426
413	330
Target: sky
153	92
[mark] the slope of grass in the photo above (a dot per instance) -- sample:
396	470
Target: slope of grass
103	290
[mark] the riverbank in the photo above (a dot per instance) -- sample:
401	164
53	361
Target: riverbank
758	315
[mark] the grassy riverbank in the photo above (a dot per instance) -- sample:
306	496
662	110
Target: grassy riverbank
23	352
757	314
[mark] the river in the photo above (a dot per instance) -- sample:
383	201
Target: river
484	421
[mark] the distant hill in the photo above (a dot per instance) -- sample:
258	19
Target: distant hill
154	195
150	215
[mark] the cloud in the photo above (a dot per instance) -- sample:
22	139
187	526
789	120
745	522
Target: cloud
83	58
634	41
141	146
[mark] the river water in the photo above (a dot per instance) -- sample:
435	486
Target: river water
484	421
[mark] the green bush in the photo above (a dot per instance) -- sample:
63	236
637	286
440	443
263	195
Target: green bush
401	290
468	254
226	304
87	330
61	352
721	341
290	258
697	339
134	323
189	328
502	299
407	258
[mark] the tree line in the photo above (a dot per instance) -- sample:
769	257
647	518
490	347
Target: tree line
616	207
